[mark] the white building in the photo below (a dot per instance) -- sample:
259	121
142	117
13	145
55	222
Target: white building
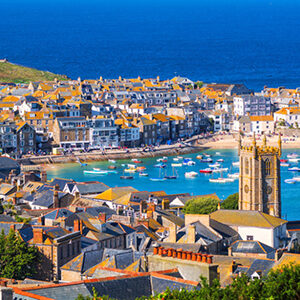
221	120
289	116
262	124
252	105
103	133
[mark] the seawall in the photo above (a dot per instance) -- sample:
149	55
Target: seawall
116	155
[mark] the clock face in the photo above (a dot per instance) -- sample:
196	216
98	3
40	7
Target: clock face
246	188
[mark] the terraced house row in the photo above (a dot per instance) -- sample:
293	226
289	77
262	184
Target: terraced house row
98	114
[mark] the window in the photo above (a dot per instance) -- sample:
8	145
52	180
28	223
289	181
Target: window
61	252
249	237
267	167
247	166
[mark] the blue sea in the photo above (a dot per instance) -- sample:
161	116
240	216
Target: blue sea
200	185
255	42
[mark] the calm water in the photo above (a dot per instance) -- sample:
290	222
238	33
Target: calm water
254	42
197	186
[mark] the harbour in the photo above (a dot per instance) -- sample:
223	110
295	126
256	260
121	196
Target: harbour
198	185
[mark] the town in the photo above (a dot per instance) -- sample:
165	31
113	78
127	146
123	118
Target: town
76	238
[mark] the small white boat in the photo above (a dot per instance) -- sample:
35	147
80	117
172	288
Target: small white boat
112	161
290	181
176	165
95	172
220	160
179	157
131	170
292	155
131	166
158	179
296	178
236	163
294	169
284	164
294	160
143	174
234	175
175	159
216	170
218	153
215	165
189	163
221	180
190	174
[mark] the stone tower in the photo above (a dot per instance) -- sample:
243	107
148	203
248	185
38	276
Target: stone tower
259	184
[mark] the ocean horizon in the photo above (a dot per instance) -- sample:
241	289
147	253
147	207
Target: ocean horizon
253	42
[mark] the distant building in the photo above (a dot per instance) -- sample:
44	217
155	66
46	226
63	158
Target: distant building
252	105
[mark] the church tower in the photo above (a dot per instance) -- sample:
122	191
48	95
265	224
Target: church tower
259	183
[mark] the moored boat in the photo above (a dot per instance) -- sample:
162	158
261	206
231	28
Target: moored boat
112	161
143	174
294	169
215	165
100	172
220	160
131	170
191	174
234	175
236	163
206	160
199	157
206	171
290	181
284	164
112	167
176	165
292	155
126	177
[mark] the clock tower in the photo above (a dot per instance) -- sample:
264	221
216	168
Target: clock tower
259	183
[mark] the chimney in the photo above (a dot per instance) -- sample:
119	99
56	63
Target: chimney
13	227
37	235
43	176
77	196
56	202
165	204
143	206
5	292
41	220
63	222
233	267
102	217
172	233
78	225
191	232
15	200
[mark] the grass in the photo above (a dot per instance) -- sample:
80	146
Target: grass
10	72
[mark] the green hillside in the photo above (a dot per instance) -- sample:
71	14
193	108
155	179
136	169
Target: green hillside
10	72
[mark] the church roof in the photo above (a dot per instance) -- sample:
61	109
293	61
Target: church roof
246	218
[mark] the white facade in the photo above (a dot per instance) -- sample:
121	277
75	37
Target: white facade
291	116
269	236
103	133
252	105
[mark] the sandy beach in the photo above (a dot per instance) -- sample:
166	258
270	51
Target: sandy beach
230	142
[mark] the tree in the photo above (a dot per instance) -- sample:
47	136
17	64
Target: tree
281	284
17	260
201	206
231	202
198	84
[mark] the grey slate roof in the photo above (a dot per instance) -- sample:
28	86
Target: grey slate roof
251	247
86	188
60	182
122	287
46	199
